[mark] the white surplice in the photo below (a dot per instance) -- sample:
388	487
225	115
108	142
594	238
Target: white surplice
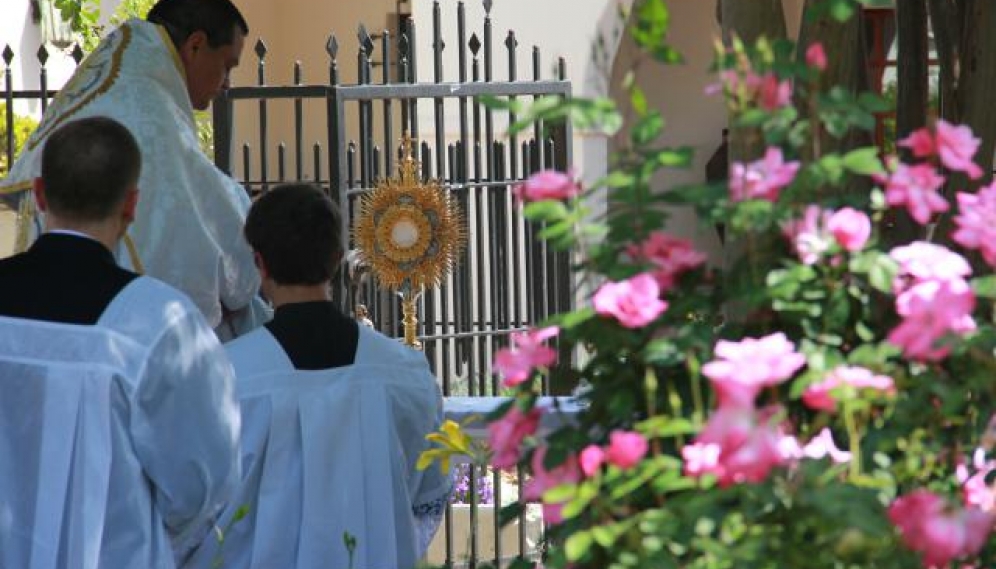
118	441
188	226
330	452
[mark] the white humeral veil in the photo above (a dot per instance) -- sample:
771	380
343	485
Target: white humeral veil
330	452
188	227
118	448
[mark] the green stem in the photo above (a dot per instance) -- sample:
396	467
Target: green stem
854	436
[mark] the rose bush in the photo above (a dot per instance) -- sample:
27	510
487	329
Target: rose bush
822	400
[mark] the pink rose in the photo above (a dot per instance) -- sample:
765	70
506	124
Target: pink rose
976	491
591	459
543	480
773	94
956	146
820	395
920	142
822	445
931	310
939	532
851	228
738	445
816	57
921	261
516	363
547	185
506	434
670	256
742	369
916	188
626	448
976	222
634	302
809	235
762	179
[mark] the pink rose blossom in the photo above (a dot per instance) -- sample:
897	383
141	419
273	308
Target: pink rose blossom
547	185
506	434
931	310
773	94
742	369
749	447
816	57
820	395
851	228
920	142
634	302
916	188
976	222
922	261
822	445
626	448
762	179
670	256
516	363
591	459
956	146
809	235
939	532
701	458
542	480
953	144
976	492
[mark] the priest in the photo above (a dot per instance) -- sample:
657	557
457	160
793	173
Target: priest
118	425
151	76
334	415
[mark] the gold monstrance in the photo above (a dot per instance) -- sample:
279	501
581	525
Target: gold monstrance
409	233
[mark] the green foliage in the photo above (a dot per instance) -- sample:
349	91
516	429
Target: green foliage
838	308
23	127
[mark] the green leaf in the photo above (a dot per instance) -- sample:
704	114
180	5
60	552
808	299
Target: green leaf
985	287
672	157
648	128
578	545
864	161
545	210
650	23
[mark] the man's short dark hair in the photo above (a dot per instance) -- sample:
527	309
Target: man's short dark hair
87	167
297	230
181	18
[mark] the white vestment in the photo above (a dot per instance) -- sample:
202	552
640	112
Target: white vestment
188	227
118	441
329	452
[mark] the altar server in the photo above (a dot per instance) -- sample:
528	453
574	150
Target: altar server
118	421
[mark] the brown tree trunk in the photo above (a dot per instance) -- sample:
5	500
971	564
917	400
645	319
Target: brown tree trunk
966	50
749	20
912	99
847	67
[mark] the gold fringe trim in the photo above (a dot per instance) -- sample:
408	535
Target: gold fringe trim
136	261
25	218
116	58
16	188
172	51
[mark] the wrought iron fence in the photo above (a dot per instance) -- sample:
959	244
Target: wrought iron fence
506	279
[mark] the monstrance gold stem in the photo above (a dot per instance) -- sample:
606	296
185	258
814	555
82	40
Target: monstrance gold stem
410	320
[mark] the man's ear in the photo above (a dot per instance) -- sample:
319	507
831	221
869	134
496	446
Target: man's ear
190	46
130	204
38	187
260	264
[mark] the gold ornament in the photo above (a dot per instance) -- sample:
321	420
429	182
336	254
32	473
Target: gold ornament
410	233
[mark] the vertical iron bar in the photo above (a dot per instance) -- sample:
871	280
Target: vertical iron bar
43	77
317	162
261	80
412	78
437	58
247	167
281	162
363	77
8	97
385	48
298	126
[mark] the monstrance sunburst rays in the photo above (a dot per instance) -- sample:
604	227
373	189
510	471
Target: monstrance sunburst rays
410	233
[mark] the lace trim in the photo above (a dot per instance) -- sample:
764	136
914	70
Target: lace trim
433	508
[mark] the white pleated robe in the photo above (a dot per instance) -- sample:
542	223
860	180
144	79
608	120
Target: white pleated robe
330	452
119	441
